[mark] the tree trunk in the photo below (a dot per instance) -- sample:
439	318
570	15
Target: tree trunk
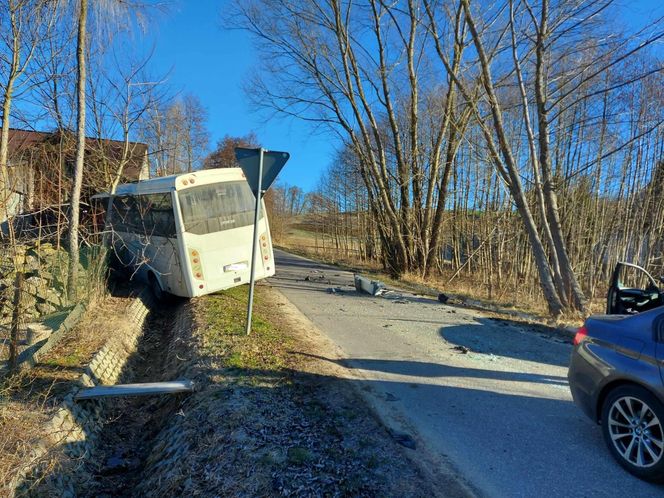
16	321
5	187
572	286
541	204
508	170
5	191
72	280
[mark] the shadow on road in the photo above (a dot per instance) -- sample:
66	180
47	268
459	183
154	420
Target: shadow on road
507	339
438	370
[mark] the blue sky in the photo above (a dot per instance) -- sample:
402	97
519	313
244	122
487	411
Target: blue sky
211	63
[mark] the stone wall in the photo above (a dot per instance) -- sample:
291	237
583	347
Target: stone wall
32	353
43	300
44	268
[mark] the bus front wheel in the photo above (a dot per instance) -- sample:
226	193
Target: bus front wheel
155	287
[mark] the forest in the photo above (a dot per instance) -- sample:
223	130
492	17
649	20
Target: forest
516	144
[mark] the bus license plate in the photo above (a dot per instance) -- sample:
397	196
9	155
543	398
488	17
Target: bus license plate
236	267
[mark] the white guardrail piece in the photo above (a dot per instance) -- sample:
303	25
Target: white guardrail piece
144	389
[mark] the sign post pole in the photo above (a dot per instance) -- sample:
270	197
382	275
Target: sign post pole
252	275
260	167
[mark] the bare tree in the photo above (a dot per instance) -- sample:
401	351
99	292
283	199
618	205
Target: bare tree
197	136
177	134
362	70
224	154
121	95
547	33
24	25
541	131
109	17
72	275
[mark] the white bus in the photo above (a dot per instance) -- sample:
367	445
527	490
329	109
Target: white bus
189	234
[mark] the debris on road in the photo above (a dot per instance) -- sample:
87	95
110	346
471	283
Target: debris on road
404	439
142	389
335	290
461	349
317	276
443	298
371	287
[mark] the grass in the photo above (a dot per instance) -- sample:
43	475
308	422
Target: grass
299	456
77	358
225	338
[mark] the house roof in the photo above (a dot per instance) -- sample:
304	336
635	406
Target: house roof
22	141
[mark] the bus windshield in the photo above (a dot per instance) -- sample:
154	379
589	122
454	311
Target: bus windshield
217	207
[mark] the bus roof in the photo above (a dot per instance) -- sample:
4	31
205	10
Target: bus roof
180	181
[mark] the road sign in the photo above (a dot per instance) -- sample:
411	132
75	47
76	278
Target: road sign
260	167
249	160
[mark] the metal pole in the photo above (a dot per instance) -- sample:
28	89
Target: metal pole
252	276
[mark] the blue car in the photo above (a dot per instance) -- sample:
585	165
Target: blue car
616	371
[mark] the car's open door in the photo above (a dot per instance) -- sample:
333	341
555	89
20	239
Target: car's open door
632	291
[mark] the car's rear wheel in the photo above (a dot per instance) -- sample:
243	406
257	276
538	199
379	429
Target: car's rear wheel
633	428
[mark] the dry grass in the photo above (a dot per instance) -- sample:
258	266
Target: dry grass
20	427
65	363
28	399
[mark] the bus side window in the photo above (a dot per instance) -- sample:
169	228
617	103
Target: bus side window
162	218
135	220
127	216
120	212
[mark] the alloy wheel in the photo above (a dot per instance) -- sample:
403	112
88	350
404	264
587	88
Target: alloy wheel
636	431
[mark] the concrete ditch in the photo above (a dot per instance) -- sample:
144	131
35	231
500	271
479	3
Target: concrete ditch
141	434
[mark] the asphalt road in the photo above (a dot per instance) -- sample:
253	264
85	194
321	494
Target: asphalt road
501	413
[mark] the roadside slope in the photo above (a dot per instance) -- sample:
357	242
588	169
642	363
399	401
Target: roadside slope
270	418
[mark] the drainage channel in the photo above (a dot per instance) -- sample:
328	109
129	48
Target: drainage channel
132	423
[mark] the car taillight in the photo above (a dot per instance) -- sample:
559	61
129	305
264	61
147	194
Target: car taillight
580	335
